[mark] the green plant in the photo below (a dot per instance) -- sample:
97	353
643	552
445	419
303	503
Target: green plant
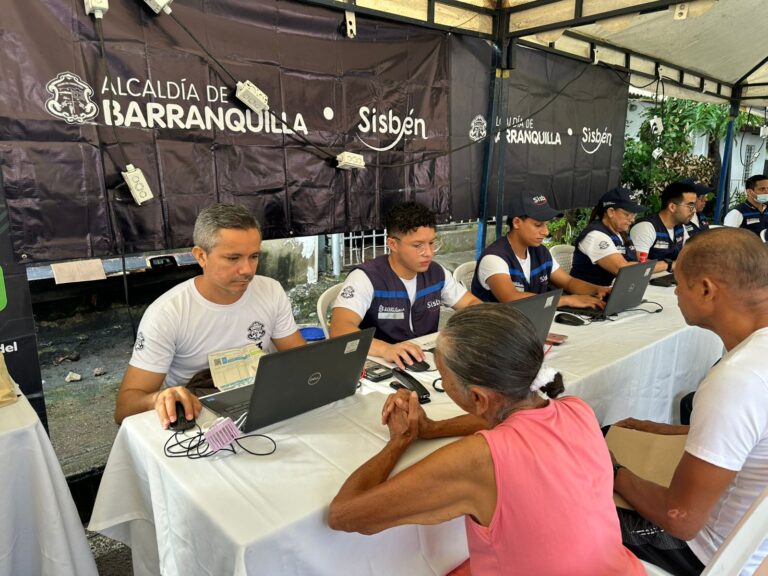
683	119
566	229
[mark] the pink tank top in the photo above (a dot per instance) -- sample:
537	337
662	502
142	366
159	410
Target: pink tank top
554	510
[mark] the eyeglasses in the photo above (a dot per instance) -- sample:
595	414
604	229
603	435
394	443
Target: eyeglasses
690	205
421	247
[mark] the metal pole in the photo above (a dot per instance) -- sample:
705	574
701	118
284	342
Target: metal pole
721	206
493	93
336	254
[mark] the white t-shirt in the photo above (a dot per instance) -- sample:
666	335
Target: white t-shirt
597	245
729	429
181	327
643	236
357	292
491	265
734	218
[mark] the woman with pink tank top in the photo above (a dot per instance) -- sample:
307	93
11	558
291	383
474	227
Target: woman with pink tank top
532	476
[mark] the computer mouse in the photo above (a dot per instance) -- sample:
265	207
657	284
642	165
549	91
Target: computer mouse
418	366
569	319
181	423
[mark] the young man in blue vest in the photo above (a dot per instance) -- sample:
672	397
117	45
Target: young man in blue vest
751	214
601	250
518	265
698	222
400	294
661	236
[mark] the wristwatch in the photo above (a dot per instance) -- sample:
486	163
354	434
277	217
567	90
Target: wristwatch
669	264
616	468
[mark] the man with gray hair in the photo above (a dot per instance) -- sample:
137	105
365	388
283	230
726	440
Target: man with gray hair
722	286
227	306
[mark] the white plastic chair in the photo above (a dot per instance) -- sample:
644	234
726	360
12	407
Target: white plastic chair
738	548
323	303
563	253
464	273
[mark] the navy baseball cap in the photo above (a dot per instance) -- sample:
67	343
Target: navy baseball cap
534	206
700	188
623	198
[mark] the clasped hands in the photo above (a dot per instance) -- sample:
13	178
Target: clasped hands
404	417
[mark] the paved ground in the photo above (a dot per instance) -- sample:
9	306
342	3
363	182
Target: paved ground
80	419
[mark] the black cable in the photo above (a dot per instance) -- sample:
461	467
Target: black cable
108	76
203	48
121	249
627	82
179	445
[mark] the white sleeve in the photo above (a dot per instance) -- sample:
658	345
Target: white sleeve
285	324
597	245
725	427
643	236
155	345
555	265
734	218
356	294
452	291
490	265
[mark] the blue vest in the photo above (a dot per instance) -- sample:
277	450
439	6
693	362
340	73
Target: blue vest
664	247
584	269
391	309
692	229
753	219
541	268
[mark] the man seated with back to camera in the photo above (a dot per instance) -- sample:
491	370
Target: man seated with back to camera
227	306
661	236
602	249
722	286
518	265
400	294
533	485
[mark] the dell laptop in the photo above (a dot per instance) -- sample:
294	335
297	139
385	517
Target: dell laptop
627	292
540	310
297	380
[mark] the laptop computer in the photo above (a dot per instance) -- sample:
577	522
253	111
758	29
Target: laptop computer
295	381
627	292
540	310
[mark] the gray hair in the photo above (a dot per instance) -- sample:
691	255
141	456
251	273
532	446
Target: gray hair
495	346
218	216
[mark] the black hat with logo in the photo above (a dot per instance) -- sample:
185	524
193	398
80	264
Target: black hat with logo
623	198
534	206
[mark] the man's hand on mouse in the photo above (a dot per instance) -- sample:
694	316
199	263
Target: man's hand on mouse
403	353
582	301
165	404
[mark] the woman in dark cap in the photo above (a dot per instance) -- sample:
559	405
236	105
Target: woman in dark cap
604	247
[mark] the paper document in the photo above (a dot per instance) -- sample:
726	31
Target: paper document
234	367
78	271
650	456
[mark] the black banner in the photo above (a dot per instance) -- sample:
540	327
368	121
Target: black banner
383	94
563	129
561	133
17	325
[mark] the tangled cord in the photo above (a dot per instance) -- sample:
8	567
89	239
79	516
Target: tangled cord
194	447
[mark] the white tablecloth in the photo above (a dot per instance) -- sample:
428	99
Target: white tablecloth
242	514
41	531
267	515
